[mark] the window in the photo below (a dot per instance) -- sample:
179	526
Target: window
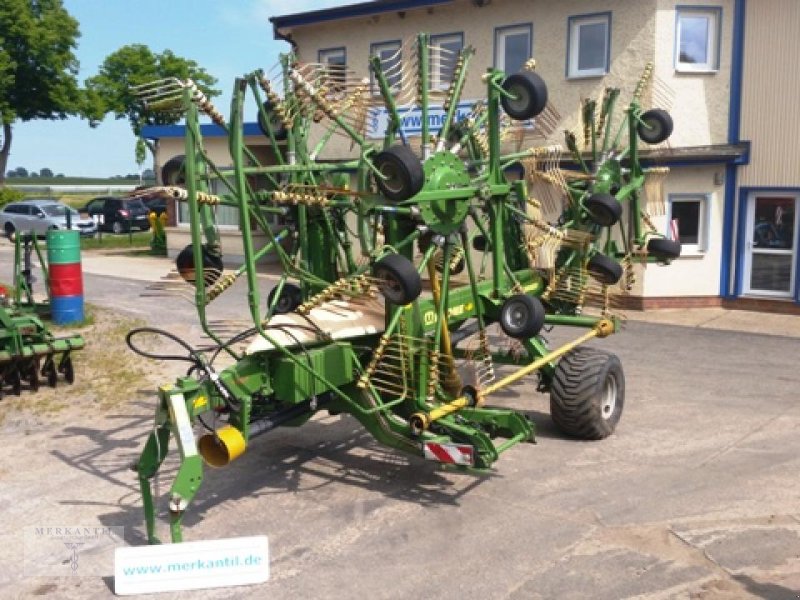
445	50
697	38
335	61
391	64
588	45
687	221
513	46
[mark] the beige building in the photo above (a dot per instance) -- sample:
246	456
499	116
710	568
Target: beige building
734	158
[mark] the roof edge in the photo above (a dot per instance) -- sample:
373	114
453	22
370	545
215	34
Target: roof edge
363	9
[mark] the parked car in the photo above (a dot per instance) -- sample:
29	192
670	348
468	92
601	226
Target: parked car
118	215
155	203
38	215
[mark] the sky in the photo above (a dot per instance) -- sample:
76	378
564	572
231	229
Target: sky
226	37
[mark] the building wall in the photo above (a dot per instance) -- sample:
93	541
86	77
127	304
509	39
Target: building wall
771	88
641	31
693	274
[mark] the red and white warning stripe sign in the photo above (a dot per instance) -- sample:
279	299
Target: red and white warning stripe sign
453	454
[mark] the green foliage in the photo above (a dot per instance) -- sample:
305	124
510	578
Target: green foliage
37	66
110	90
8	194
141	151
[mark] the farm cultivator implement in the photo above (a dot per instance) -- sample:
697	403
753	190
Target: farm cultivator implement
410	271
29	352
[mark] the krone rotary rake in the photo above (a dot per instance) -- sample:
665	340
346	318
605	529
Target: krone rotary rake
411	269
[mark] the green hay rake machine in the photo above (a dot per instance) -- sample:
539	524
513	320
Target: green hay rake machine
410	270
28	350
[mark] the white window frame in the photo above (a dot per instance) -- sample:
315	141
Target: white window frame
574	24
216	187
500	35
436	40
714	16
703	225
393	46
324	57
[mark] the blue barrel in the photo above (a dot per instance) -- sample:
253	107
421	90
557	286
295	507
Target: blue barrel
66	277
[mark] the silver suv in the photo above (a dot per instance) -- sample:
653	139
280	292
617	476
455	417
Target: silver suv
41	214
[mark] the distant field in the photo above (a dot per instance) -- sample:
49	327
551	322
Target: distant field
14	181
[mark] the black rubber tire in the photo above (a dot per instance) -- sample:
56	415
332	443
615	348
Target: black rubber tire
588	393
522	316
663	249
480	243
603	209
278	128
656	126
9	229
530	93
605	269
291	297
404	171
399	283
212	265
173	172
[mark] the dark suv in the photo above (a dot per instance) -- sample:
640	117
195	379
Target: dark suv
118	214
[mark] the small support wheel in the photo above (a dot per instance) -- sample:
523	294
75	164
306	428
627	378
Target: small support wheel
271	121
655	126
212	265
174	171
604	209
527	95
480	243
403	176
605	269
291	297
588	393
522	316
663	249
398	279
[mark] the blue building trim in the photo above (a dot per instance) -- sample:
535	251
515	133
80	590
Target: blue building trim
155	132
731	171
365	9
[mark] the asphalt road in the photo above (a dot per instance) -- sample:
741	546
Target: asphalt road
695	496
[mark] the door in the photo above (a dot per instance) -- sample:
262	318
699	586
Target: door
771	248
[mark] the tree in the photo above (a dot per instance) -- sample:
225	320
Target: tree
110	91
21	172
45	172
37	66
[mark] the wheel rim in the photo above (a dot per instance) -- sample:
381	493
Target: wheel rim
393	182
608	401
654	129
515	316
518	99
390	287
